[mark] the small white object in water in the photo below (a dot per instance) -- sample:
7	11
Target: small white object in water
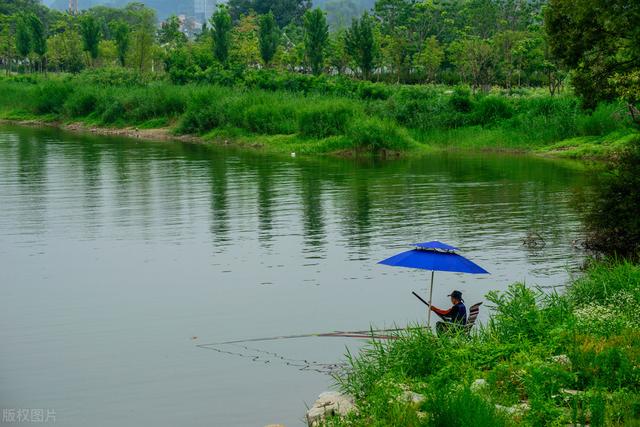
293	154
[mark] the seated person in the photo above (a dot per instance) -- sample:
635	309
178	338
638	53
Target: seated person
454	317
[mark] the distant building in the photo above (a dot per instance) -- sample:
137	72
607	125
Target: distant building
203	9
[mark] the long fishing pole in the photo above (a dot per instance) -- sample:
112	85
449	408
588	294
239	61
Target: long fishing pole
427	304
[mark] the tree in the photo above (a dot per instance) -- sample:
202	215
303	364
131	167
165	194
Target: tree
90	32
244	39
143	36
361	44
121	34
65	47
269	37
7	42
316	34
474	58
338	56
38	39
430	58
599	40
284	11
170	33
221	23
23	37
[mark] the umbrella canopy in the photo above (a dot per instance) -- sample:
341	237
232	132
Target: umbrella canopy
434	256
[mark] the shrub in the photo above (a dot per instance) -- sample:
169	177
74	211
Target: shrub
51	96
461	100
270	118
462	408
81	103
491	109
325	120
612	220
375	135
113	111
605	119
114	76
153	102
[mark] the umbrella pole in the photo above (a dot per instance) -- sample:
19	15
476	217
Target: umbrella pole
430	296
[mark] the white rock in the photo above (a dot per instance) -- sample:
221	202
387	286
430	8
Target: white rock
412	397
517	409
561	359
329	403
478	384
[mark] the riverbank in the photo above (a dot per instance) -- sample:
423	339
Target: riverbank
543	359
403	120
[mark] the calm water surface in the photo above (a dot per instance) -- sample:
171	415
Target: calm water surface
118	257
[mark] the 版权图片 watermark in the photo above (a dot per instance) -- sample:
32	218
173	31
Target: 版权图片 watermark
28	415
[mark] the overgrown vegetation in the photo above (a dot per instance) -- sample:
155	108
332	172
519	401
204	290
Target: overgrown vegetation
613	224
544	359
317	114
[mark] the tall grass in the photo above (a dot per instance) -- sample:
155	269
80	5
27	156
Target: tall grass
366	117
536	347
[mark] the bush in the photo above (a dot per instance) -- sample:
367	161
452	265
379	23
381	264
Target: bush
461	100
81	103
270	118
374	135
462	408
112	111
154	101
51	96
114	76
612	220
325	120
491	109
605	119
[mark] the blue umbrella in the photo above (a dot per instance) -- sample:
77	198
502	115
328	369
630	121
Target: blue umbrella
434	256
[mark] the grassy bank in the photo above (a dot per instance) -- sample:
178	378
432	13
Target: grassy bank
366	119
543	360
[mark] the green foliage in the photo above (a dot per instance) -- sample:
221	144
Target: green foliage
221	23
325	120
361	44
51	96
170	33
285	11
461	408
316	36
38	36
121	35
374	135
612	222
23	37
90	32
540	365
492	109
268	36
598	40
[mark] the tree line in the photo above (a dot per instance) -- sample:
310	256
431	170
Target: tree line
481	43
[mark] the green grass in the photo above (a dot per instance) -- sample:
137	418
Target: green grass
595	325
367	119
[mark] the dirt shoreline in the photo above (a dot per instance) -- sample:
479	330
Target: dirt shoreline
156	134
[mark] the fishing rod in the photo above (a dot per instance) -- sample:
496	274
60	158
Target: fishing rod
427	304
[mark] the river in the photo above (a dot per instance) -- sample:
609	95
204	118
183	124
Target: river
119	257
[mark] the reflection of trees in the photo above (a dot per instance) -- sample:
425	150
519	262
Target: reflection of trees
312	212
32	177
218	171
446	195
90	154
266	193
